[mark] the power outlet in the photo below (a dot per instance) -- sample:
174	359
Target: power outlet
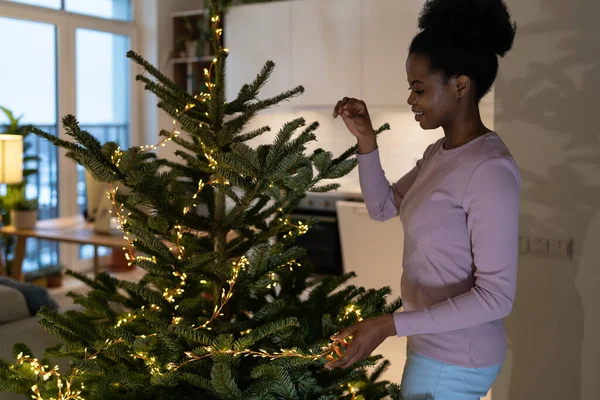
538	245
561	247
523	244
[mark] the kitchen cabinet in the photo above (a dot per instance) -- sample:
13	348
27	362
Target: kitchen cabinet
371	249
326	52
388	27
334	48
255	34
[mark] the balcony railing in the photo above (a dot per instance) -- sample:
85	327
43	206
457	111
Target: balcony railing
44	187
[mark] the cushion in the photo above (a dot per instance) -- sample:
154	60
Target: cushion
35	297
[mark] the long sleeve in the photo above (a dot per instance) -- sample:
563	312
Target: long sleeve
491	203
382	199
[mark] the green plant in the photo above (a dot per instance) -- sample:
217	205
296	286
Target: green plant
47	271
15	199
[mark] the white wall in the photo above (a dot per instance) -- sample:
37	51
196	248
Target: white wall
547	111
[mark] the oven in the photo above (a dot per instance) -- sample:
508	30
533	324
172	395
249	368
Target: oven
322	241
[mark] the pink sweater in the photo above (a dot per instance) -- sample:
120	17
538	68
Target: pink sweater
460	212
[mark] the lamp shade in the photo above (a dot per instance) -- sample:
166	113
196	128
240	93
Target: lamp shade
11	158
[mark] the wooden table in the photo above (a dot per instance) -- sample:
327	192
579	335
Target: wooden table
67	229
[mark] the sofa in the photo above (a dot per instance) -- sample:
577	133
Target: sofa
19	323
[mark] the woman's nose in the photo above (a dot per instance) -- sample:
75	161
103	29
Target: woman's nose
411	99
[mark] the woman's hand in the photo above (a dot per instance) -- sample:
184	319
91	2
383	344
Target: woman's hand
367	335
356	117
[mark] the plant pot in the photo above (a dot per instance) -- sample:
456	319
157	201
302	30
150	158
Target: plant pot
23	219
191	48
118	261
54	281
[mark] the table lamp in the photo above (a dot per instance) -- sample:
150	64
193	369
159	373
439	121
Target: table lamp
11	158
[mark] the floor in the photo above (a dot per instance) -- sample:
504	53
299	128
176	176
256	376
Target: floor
71	284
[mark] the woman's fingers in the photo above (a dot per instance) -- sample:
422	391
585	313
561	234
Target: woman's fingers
338	351
339	107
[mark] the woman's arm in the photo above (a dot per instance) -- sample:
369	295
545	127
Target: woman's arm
382	199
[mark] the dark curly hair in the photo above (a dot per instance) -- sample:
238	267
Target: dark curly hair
465	37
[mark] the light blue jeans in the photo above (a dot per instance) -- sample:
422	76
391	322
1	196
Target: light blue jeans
425	376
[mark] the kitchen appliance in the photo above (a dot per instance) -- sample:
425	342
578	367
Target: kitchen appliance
322	241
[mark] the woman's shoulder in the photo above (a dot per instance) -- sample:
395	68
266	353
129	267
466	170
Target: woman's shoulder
492	162
489	147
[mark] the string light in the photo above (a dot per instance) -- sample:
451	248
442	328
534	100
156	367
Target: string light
212	163
119	212
69	393
352	309
130	317
283	353
225	296
273	283
169	294
352	390
150	362
302	228
174	132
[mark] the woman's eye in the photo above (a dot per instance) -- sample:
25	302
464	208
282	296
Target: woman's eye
416	91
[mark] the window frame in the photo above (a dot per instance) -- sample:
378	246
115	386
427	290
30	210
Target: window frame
66	24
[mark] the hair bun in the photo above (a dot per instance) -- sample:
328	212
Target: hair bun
477	23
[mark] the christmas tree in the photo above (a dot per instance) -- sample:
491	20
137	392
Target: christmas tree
227	309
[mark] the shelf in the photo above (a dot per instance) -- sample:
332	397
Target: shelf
187	60
192	48
191	13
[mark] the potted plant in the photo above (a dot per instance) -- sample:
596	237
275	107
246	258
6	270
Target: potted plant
23	211
48	277
196	37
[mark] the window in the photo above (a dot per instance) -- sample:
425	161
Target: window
109	9
102	97
31	92
56	4
62	62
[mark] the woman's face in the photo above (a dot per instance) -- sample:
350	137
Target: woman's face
431	98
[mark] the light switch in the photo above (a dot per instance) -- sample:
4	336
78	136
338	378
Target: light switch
538	245
561	247
523	244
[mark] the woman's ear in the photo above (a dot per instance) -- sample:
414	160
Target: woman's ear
462	85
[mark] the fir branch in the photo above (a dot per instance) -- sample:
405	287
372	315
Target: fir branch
72	129
146	293
340	169
250	91
193	161
224	383
277	150
194	336
262	332
153	244
162	78
197	381
248	156
287	164
250	135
